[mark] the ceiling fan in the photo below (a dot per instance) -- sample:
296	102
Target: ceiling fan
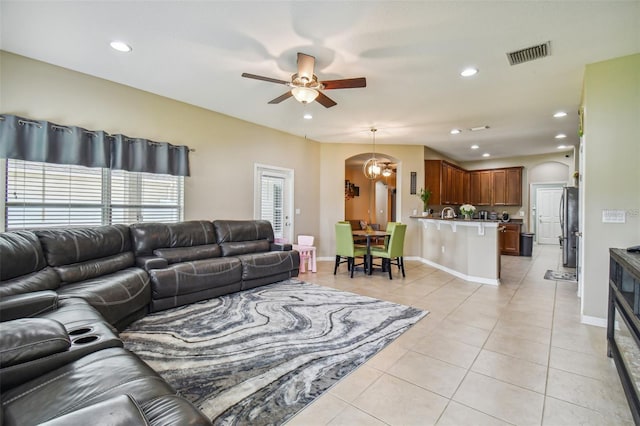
305	86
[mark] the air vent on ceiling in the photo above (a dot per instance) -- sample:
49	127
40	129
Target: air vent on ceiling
529	54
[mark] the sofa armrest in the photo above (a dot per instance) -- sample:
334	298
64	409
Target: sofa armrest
280	247
151	262
26	339
27	304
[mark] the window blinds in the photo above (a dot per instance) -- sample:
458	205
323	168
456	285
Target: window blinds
49	195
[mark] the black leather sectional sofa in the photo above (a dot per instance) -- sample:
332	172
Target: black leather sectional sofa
65	294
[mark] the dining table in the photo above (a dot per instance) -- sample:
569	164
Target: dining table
369	235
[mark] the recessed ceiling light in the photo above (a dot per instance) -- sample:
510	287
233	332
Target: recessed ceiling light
468	72
120	46
560	114
307	116
455	131
475	146
561	136
562	146
486	154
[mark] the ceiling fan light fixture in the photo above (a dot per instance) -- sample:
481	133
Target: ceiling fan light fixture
304	95
387	172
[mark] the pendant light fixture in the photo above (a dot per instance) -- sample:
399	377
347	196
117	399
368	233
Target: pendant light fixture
371	167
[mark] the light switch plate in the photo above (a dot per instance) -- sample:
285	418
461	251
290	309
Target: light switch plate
613	216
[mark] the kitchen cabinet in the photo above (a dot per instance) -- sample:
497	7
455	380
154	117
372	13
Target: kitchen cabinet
507	186
480	187
448	183
510	239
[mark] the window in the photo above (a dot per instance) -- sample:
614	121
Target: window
44	194
271	202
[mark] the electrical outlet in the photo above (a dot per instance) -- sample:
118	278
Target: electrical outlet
521	213
443	249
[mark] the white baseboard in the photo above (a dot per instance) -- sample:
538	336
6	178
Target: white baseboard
596	321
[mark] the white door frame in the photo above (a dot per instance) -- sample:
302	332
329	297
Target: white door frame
288	196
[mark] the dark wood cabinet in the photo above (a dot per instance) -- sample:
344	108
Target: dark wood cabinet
510	239
447	182
507	186
452	185
480	187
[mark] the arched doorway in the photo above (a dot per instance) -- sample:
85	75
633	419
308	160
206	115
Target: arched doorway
373	201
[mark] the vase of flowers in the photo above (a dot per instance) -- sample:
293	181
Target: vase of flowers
467	210
425	195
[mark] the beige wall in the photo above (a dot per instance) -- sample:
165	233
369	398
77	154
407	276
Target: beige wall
332	175
222	166
611	100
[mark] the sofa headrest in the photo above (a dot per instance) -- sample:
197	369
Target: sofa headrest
242	230
65	246
147	237
20	254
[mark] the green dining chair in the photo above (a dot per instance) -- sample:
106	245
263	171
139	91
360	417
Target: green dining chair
346	251
393	253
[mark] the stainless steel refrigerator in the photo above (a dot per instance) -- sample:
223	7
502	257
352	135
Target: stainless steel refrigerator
569	225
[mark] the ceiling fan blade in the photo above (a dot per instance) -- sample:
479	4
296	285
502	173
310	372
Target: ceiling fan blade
347	83
325	101
259	77
281	98
306	63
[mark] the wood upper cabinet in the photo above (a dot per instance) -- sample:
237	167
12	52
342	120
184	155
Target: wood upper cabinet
480	187
507	186
447	182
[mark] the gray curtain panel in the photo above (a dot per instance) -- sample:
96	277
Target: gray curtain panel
45	142
42	141
142	155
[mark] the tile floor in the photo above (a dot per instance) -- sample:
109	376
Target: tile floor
514	354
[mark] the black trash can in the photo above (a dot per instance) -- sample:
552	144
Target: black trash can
526	244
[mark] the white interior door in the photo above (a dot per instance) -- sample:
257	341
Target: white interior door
548	215
273	199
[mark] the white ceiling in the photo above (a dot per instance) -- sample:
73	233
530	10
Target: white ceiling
410	52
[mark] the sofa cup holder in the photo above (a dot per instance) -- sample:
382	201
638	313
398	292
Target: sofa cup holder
79	331
85	339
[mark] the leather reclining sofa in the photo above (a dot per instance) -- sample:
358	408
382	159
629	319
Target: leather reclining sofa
65	294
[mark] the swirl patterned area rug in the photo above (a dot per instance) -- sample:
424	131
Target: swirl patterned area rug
259	356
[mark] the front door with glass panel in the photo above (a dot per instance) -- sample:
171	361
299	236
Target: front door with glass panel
274	199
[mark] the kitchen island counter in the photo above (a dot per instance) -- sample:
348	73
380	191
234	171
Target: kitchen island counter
466	248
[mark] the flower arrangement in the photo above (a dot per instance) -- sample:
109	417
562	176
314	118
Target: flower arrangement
425	195
467	209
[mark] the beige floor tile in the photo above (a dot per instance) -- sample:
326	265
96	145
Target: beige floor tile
557	413
511	370
387	357
464	333
397	402
351	416
518	348
606	398
320	412
507	402
448	350
428	373
523	331
458	415
599	367
581	338
350	387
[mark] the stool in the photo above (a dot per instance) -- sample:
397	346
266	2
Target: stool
307	252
